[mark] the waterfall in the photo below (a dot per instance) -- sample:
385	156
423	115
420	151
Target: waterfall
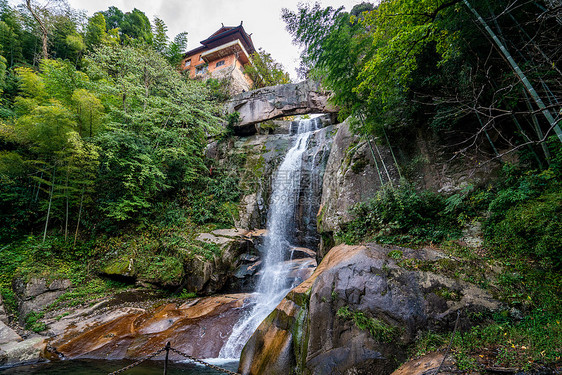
274	283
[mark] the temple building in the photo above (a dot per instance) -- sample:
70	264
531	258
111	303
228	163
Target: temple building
223	55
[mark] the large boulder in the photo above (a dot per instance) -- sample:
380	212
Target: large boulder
20	352
278	101
359	311
7	334
37	293
238	248
204	272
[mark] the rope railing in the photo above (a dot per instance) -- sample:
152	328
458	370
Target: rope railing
204	363
167	349
137	362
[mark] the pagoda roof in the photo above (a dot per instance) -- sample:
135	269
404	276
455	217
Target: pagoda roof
224	35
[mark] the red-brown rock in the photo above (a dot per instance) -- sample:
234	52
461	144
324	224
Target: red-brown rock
198	328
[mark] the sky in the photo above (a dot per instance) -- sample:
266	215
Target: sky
201	18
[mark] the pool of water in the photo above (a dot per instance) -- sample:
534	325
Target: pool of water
96	367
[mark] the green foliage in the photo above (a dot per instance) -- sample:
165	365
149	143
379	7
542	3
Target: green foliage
395	254
212	202
130	176
33	323
524	214
187	295
525	344
113	17
219	91
532	228
174	50
97	33
336	47
135	27
378	329
90	289
66	40
9	298
428	342
265	71
402	215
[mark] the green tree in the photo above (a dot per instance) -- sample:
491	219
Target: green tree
89	111
3	66
136	26
52	165
11	34
66	42
156	129
336	48
160	39
176	49
113	17
172	50
265	71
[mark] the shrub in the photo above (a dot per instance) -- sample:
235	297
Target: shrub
377	328
402	215
33	323
532	228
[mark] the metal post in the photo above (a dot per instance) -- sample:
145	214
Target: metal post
166	360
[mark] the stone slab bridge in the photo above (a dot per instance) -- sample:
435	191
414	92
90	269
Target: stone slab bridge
272	102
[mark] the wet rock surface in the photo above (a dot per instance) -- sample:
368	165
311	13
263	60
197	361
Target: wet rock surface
313	329
7	334
254	159
197	327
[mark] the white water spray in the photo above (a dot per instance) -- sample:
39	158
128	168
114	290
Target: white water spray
274	283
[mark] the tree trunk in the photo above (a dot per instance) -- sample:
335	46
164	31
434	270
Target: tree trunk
44	33
79	217
66	196
50	202
538	130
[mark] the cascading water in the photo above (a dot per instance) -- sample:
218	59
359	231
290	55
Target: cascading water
274	282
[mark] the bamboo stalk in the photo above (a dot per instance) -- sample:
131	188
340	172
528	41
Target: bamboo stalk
528	86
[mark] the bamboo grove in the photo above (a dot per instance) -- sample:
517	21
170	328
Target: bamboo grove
97	132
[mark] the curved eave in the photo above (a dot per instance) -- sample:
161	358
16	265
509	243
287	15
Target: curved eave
247	39
231	48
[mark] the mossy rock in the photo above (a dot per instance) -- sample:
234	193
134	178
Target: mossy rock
121	267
